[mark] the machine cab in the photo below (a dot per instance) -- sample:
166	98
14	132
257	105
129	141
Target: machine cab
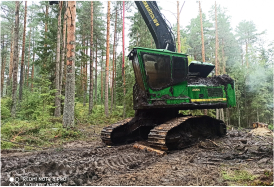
158	69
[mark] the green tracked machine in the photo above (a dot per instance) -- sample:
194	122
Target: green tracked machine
165	84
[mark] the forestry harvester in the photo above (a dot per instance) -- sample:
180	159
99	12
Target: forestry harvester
165	84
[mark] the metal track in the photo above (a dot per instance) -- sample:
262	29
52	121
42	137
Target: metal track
106	133
157	136
184	131
164	135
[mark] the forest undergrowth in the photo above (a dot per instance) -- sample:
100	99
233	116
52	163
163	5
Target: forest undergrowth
34	129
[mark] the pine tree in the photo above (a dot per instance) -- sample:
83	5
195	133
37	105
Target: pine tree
63	44
91	60
178	28
3	64
7	31
15	60
46	30
247	33
113	60
23	55
107	60
32	69
68	116
57	111
27	72
216	51
95	79
11	58
216	41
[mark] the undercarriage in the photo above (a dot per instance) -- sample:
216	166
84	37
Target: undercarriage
163	129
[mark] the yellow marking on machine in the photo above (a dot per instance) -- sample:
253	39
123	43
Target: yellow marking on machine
150	12
196	90
208	100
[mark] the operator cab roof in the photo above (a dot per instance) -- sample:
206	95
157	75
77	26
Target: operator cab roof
155	51
200	69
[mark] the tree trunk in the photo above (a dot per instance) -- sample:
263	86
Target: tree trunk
123	66
28	60
112	87
32	70
223	54
202	32
246	53
46	30
216	51
3	66
223	71
91	61
246	106
81	75
95	98
102	77
23	56
57	111
178	28
216	41
203	45
15	60
68	116
114	94
107	60
239	115
222	117
64	47
257	115
11	60
84	73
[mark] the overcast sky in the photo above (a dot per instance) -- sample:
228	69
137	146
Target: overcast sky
260	12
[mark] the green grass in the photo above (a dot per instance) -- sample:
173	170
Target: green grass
34	133
238	175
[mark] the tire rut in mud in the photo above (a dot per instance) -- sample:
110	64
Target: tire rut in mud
82	166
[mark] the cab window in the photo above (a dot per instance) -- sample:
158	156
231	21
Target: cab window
158	71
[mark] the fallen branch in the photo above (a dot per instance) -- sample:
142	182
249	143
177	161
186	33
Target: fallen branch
213	142
13	139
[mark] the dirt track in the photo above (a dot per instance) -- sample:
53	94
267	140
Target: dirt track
84	163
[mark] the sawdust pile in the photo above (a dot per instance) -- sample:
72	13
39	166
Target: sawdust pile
261	131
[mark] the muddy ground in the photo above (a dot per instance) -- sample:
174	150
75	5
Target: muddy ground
239	158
